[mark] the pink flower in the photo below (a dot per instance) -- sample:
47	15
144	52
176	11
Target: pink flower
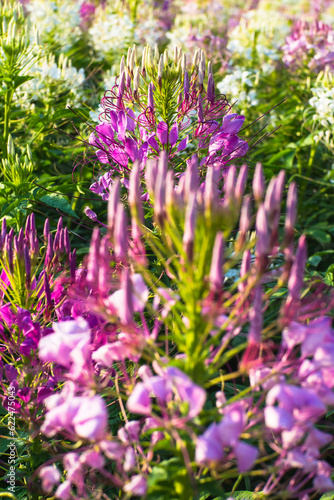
210	445
84	416
50	476
57	347
64	491
137	486
139	401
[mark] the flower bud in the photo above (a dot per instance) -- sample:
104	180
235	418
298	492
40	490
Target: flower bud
189	227
291	208
150	100
296	278
120	232
113	201
136	80
241	183
262	232
122	65
258	183
216	277
93	257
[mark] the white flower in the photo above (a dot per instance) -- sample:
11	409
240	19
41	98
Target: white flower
111	33
57	19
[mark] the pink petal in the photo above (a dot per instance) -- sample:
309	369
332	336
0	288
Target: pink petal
162	132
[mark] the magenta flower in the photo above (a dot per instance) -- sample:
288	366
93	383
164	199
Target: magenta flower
83	416
57	347
137	486
50	476
64	491
295	404
172	385
210	446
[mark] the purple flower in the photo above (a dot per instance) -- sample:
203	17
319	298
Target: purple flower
57	347
84	416
294	404
139	401
210	445
172	384
137	486
50	476
64	491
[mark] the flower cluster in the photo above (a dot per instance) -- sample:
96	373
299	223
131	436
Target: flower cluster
159	106
312	43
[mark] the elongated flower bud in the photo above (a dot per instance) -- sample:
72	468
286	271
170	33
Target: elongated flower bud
256	317
128	57
103	267
126	309
191	177
189	227
135	194
113	201
156	54
258	183
291	208
136	80
200	114
211	189
27	265
241	183
47	290
296	278
150	99
211	87
176	55
49	252
244	270
186	85
67	243
279	185
216	277
46	230
262	232
143	62
120	232
73	264
151	175
229	184
170	189
184	63
245	216
121	86
160	69
3	228
166	58
160	188
60	224
122	65
93	257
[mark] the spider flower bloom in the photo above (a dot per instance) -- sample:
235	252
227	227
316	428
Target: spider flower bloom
83	416
210	445
50	477
135	123
172	385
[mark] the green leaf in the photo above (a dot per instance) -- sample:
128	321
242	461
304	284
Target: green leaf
329	276
19	80
238	495
62	113
322	237
314	260
59	202
328	496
